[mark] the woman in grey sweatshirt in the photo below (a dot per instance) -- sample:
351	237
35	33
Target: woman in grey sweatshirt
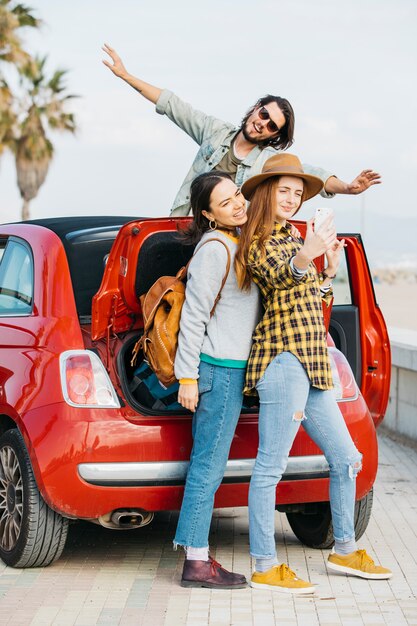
210	364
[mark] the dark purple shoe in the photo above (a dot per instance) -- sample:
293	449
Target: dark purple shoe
210	574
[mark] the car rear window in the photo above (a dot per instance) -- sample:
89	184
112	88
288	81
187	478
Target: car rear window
16	278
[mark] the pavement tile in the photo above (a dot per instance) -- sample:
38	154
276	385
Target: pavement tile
132	578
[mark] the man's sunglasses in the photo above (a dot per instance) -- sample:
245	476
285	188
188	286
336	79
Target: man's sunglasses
264	115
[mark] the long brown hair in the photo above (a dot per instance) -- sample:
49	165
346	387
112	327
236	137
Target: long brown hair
260	226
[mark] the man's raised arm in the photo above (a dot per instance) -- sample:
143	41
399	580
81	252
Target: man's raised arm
150	92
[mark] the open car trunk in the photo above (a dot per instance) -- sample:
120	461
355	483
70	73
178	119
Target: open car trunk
144	250
143	390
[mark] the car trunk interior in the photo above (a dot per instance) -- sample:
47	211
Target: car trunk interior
162	254
141	388
344	326
344	330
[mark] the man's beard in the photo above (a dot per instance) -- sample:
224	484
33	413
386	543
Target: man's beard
255	140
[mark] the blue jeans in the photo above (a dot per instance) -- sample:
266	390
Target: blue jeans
214	424
287	399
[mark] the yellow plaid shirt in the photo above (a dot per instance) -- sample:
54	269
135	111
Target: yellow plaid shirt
293	317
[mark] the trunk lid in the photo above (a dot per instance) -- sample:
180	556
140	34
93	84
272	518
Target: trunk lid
143	251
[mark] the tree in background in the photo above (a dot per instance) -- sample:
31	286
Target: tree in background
38	105
7	116
13	17
45	108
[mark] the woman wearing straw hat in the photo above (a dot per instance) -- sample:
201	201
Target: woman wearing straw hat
289	367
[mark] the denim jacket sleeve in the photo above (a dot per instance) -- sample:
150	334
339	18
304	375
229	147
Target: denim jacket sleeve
321	173
195	123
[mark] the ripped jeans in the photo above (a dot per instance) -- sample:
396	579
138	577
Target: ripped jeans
287	399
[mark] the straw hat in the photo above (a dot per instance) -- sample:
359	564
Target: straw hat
283	165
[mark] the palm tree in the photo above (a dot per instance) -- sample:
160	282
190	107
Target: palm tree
44	108
7	115
14	16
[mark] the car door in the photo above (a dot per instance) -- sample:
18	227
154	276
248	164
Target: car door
358	328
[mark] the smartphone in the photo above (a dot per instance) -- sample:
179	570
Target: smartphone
321	215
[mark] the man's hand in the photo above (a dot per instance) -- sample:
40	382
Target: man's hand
117	67
150	92
361	183
188	396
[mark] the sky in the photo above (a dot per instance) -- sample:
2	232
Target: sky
348	68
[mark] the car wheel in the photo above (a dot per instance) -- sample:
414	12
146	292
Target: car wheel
315	528
31	534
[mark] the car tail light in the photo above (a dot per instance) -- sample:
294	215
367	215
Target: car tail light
85	382
345	386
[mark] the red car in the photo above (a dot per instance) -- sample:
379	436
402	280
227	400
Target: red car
75	443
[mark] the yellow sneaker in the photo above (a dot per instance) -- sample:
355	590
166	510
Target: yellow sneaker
281	578
358	563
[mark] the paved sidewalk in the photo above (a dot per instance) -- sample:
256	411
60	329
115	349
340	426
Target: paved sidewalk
131	578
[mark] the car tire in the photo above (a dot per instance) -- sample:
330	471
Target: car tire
315	530
31	533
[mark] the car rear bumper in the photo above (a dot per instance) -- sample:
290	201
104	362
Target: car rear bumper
174	472
90	462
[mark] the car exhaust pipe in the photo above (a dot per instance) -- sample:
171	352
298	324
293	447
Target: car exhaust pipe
131	518
125	519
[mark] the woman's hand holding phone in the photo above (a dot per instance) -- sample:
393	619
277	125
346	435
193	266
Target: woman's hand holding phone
316	242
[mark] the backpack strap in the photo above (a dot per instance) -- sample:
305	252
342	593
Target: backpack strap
225	275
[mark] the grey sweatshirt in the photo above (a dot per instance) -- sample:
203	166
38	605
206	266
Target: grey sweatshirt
227	335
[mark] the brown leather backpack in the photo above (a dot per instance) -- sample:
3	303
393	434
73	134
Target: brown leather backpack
161	310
